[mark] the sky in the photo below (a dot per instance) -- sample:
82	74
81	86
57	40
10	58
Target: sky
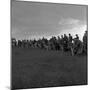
31	20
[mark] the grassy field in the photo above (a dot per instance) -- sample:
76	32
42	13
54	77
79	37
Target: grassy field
35	68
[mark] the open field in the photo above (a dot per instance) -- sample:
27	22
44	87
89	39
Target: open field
35	68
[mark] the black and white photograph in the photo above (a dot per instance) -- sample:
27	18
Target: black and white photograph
49	44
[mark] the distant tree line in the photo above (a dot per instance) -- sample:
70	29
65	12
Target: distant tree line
63	43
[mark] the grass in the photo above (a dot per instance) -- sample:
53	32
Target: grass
35	68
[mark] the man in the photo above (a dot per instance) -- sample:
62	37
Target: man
65	42
14	42
70	38
19	43
77	45
61	43
70	44
85	42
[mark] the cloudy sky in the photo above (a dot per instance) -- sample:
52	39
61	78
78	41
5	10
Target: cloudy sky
35	20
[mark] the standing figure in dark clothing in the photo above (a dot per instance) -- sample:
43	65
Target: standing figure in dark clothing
85	42
70	38
70	44
77	45
62	43
65	42
14	42
19	43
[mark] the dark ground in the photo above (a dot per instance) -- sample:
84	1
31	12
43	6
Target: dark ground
35	68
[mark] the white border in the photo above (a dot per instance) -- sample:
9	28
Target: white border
5	44
62	1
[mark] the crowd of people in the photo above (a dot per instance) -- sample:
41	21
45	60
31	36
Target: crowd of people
63	43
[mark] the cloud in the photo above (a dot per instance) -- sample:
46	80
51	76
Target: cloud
69	21
73	26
